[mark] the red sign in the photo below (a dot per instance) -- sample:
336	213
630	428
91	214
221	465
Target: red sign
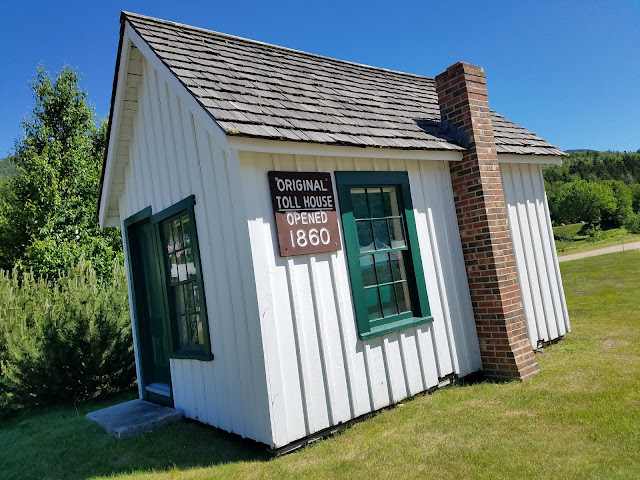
305	209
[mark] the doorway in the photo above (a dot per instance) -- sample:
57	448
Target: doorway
154	333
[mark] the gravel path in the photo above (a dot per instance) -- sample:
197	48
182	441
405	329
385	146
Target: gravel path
600	251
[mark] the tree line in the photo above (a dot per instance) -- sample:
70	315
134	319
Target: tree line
599	188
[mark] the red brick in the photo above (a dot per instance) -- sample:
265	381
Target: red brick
484	229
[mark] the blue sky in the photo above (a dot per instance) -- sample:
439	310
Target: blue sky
567	70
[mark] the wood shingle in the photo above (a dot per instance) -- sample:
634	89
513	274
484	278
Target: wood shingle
259	90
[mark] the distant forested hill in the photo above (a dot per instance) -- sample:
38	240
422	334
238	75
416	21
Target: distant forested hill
595	166
7	168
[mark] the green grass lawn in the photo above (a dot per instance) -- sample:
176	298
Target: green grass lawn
579	418
571	239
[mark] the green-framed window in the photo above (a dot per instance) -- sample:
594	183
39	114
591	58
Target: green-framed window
183	285
381	244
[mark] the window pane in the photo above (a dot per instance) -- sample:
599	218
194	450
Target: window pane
381	234
383	268
396	230
376	207
191	266
186	232
386	200
402	296
388	297
365	235
368	270
182	266
189	298
373	303
196	297
359	202
173	267
193	330
178	297
177	234
397	267
200	330
183	330
390	199
168	237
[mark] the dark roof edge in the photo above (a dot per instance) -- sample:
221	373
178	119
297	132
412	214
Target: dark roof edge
456	147
111	109
277	47
540	155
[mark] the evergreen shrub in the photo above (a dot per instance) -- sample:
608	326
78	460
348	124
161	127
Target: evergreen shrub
63	340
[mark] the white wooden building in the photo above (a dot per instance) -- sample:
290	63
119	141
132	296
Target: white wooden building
235	328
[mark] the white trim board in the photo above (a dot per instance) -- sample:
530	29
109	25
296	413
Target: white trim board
301	148
535	159
114	134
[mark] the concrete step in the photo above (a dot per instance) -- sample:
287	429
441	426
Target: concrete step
134	418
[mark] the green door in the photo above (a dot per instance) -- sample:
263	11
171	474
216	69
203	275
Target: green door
151	316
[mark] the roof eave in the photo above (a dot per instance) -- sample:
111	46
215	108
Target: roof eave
533	159
270	145
99	208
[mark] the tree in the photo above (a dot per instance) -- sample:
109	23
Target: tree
47	221
584	201
635	198
622	212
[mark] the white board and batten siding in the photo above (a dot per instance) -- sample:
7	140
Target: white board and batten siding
172	155
530	225
319	372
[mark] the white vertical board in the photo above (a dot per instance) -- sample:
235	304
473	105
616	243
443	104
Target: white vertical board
319	372
543	299
172	155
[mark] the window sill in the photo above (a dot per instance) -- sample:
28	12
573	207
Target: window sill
204	357
395	326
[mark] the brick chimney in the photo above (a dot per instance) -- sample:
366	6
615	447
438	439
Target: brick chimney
484	227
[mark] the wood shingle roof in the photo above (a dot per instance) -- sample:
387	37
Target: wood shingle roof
259	90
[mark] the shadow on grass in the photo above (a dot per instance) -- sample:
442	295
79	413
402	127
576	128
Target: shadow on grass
59	442
573	233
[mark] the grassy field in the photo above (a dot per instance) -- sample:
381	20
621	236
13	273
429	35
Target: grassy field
571	238
579	418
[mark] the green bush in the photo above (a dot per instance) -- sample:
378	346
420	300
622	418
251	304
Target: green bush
633	224
584	201
63	340
57	254
618	216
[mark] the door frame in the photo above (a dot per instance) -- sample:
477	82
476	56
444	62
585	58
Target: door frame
146	215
